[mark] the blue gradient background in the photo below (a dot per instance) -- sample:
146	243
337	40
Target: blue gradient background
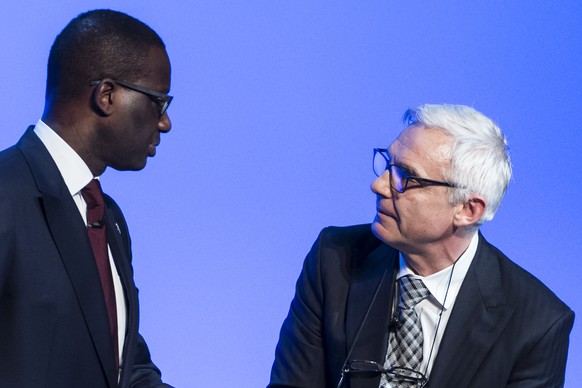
278	106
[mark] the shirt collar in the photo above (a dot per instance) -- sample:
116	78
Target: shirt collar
73	169
438	283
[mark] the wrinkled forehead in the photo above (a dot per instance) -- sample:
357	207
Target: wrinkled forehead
418	144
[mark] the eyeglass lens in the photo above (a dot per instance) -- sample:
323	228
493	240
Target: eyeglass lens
380	162
163	106
398	177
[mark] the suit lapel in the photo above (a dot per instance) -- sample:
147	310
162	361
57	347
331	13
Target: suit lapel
117	246
477	319
373	276
70	237
119	254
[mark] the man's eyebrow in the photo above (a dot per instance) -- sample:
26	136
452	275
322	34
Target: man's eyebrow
407	168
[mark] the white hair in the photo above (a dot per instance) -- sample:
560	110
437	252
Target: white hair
480	162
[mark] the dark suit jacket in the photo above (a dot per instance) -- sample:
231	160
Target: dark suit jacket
53	320
506	328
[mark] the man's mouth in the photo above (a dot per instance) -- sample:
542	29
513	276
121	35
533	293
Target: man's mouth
152	150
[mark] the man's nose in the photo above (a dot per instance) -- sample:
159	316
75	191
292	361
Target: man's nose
165	124
381	185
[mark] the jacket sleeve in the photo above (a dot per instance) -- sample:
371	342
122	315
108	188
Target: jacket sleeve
145	374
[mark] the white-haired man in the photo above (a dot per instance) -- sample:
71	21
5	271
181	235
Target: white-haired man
420	298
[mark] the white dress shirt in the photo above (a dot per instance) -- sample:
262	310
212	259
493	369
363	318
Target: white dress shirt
428	310
77	175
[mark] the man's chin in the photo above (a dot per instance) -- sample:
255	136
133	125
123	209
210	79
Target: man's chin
382	233
131	167
378	230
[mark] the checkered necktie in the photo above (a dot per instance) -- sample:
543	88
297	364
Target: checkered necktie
405	349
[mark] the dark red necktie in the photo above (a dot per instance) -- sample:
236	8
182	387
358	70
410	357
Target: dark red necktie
98	237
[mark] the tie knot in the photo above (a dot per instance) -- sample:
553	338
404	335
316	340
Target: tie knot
92	194
412	291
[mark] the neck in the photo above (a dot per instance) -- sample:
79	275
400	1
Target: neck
433	258
78	135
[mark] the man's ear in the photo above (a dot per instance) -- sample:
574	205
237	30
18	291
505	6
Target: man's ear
470	212
103	96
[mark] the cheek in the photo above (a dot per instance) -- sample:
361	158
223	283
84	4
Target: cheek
138	119
422	214
435	220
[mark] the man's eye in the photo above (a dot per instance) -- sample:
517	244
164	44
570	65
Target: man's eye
414	182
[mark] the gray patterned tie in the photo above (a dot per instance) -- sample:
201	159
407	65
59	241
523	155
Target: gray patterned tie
405	348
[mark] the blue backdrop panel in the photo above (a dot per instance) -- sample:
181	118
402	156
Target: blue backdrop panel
277	107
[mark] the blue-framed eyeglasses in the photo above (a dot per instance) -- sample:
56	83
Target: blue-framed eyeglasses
399	178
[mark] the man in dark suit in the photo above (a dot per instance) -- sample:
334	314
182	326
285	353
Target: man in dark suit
67	318
420	298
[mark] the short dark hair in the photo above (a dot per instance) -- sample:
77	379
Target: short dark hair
98	44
